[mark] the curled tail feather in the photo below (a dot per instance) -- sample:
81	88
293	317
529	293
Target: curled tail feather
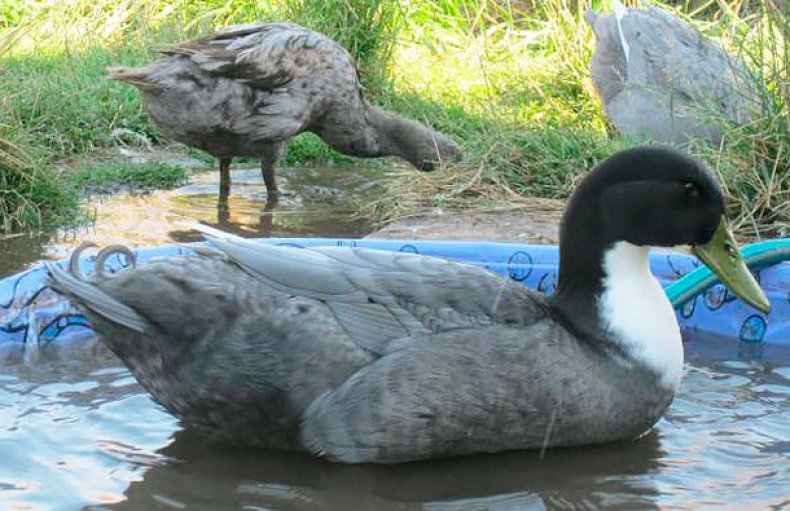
75	284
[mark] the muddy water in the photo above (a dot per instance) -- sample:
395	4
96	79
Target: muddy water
77	431
315	202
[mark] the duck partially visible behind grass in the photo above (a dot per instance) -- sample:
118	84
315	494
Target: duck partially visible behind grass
248	89
659	78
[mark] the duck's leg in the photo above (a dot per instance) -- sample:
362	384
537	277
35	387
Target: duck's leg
223	209
224	177
271	154
266	222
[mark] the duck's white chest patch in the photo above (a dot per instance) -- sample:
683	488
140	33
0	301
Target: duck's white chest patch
636	311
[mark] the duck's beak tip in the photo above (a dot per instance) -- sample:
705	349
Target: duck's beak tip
721	255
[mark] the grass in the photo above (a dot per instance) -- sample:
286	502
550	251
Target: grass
516	89
29	194
110	177
508	79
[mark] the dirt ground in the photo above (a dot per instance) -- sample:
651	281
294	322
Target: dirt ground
523	225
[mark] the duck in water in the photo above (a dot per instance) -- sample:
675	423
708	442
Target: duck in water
369	356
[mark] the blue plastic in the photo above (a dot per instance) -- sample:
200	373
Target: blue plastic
29	312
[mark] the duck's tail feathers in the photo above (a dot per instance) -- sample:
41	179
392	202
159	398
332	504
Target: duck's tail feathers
209	232
132	75
89	295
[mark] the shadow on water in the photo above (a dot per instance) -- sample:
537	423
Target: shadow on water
316	201
218	477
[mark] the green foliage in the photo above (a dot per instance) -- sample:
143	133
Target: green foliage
64	104
30	194
509	79
11	13
368	29
137	177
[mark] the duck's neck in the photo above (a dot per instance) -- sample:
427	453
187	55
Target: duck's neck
636	312
607	294
393	135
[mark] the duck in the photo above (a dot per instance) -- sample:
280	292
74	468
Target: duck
659	78
248	89
367	356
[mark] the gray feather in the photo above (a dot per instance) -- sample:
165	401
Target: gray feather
379	296
96	300
659	78
247	90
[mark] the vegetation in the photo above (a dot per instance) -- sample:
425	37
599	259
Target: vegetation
29	193
136	177
508	79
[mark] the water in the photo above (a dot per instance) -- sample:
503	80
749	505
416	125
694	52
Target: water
77	431
316	202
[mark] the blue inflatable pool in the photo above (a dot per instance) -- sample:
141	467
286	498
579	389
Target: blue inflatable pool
31	313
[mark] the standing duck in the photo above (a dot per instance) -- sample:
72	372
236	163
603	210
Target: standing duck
369	356
659	78
248	89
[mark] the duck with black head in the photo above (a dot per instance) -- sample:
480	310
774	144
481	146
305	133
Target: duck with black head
367	356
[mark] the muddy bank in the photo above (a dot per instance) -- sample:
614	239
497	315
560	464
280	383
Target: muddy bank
523	225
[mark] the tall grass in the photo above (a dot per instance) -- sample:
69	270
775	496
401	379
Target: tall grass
507	78
754	166
366	28
538	124
29	194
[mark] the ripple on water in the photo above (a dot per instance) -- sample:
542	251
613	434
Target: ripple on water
84	433
57	437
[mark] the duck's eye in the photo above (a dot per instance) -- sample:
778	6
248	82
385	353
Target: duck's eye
692	189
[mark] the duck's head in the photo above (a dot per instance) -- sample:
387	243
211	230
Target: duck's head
653	197
434	149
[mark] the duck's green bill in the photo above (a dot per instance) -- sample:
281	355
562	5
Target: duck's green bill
721	255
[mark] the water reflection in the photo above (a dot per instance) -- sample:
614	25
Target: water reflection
76	430
265	224
213	476
315	202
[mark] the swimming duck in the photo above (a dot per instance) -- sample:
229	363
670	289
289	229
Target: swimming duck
370	356
659	78
248	89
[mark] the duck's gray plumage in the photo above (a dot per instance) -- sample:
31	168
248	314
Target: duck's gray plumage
363	355
248	89
368	356
660	78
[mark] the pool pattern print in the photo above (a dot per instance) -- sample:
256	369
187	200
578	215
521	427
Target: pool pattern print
30	312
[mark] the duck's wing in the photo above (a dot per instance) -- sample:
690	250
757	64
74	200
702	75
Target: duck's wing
380	297
264	55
